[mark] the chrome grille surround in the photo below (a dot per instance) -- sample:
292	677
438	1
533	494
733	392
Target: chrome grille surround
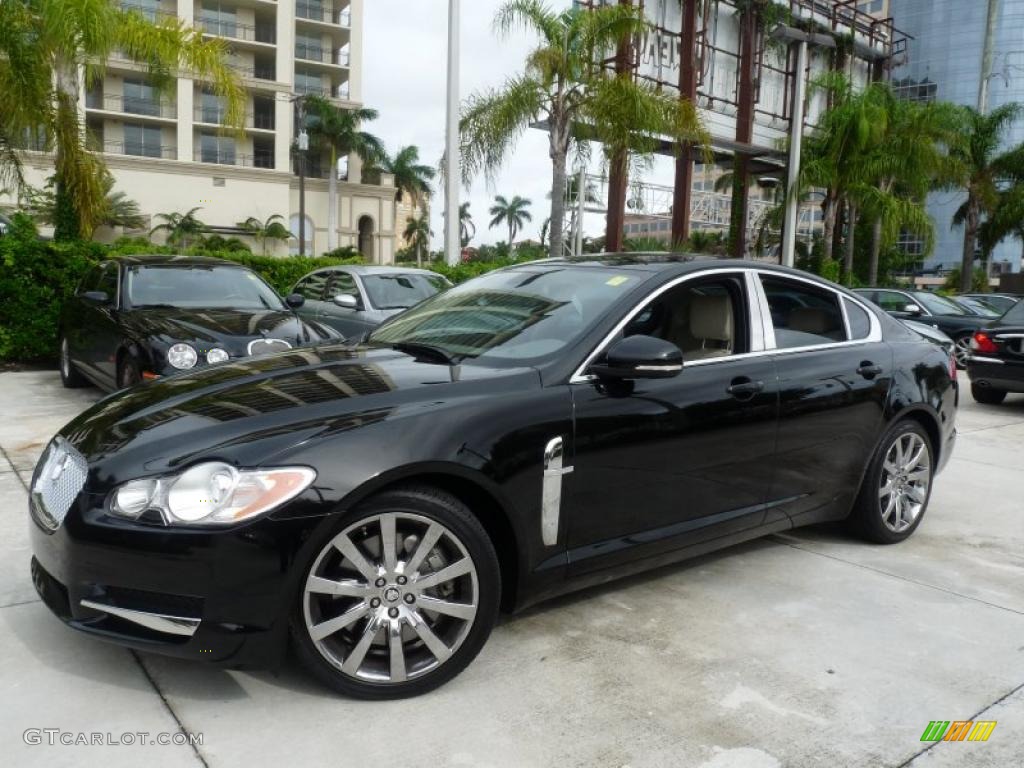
59	479
266	346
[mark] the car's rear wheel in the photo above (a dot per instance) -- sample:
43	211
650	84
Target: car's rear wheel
69	375
987	395
897	487
400	597
962	350
128	372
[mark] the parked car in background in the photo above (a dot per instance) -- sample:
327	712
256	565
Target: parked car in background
951	318
996	365
538	429
1000	302
932	333
135	318
975	306
355	300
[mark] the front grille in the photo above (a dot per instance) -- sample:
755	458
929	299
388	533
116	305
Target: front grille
266	346
59	480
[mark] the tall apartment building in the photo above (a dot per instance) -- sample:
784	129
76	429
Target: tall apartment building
171	153
945	61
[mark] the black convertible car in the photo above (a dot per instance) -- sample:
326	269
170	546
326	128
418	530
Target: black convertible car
535	430
141	317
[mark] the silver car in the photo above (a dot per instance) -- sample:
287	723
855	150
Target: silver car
356	299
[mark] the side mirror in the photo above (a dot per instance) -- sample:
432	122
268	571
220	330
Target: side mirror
295	300
912	309
96	297
346	301
640	357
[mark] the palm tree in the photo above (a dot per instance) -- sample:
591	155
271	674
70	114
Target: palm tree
978	168
412	178
512	213
561	87
181	228
339	131
118	209
45	49
272	228
467	229
545	229
417	234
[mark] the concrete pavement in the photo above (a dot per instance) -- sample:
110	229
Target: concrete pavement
801	649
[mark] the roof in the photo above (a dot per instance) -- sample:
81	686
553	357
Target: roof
176	260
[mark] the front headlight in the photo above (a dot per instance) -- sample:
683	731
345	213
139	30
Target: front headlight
216	355
212	493
182	356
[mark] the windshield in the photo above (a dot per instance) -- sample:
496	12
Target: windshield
519	315
401	290
978	307
208	287
939	305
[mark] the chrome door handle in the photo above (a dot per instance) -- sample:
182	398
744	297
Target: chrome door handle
743	388
869	370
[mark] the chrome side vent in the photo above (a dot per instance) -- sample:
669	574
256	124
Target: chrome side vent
551	494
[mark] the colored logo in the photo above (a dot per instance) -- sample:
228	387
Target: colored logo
958	730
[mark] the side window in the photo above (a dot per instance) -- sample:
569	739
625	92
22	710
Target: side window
860	322
91	280
891	301
108	281
312	287
802	314
343	283
704	318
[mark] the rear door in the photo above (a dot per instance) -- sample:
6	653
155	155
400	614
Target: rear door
667	463
834	377
100	331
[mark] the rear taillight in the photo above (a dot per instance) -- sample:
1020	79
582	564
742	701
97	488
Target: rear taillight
982	342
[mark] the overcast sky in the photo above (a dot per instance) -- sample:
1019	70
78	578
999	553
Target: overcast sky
404	78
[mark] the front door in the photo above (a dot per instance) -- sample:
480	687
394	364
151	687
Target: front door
102	330
660	464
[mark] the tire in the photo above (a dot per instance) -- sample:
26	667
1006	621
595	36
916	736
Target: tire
904	463
128	372
962	350
69	375
987	395
347	615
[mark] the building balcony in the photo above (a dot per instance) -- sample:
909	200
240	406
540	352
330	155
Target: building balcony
317	54
323	13
257	160
264	34
128	105
257	121
149	13
134	149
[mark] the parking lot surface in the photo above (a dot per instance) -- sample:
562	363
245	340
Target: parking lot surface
803	649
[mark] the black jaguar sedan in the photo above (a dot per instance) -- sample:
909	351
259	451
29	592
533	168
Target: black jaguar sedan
996	365
136	318
535	430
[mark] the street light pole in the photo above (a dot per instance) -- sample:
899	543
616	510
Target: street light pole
452	243
303	146
793	171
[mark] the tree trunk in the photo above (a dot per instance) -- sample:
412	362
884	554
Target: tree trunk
67	218
618	180
828	234
332	204
876	248
851	227
556	226
970	237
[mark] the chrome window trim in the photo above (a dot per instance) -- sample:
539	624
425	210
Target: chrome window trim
579	376
980	359
758	342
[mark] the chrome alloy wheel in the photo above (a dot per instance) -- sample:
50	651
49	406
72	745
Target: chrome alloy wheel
391	598
962	350
906	475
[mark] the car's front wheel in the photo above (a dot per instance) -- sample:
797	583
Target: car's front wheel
987	395
400	597
69	375
897	486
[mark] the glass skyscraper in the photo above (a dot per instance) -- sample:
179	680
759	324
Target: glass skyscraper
944	62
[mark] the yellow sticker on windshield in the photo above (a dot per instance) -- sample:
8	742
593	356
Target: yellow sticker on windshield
617	280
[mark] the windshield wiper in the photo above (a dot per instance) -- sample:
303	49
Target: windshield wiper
418	349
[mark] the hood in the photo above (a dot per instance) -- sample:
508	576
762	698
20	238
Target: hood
231	329
246	411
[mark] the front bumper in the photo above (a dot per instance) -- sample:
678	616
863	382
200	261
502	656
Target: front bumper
997	373
217	595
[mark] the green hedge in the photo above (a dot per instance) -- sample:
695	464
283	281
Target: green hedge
38	276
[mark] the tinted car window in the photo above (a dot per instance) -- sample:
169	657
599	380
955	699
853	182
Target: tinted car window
514	316
312	287
860	322
91	280
939	305
1015	314
401	290
343	284
195	285
803	315
891	301
108	281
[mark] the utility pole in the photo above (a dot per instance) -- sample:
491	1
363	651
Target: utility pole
453	173
986	55
581	201
796	132
303	144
